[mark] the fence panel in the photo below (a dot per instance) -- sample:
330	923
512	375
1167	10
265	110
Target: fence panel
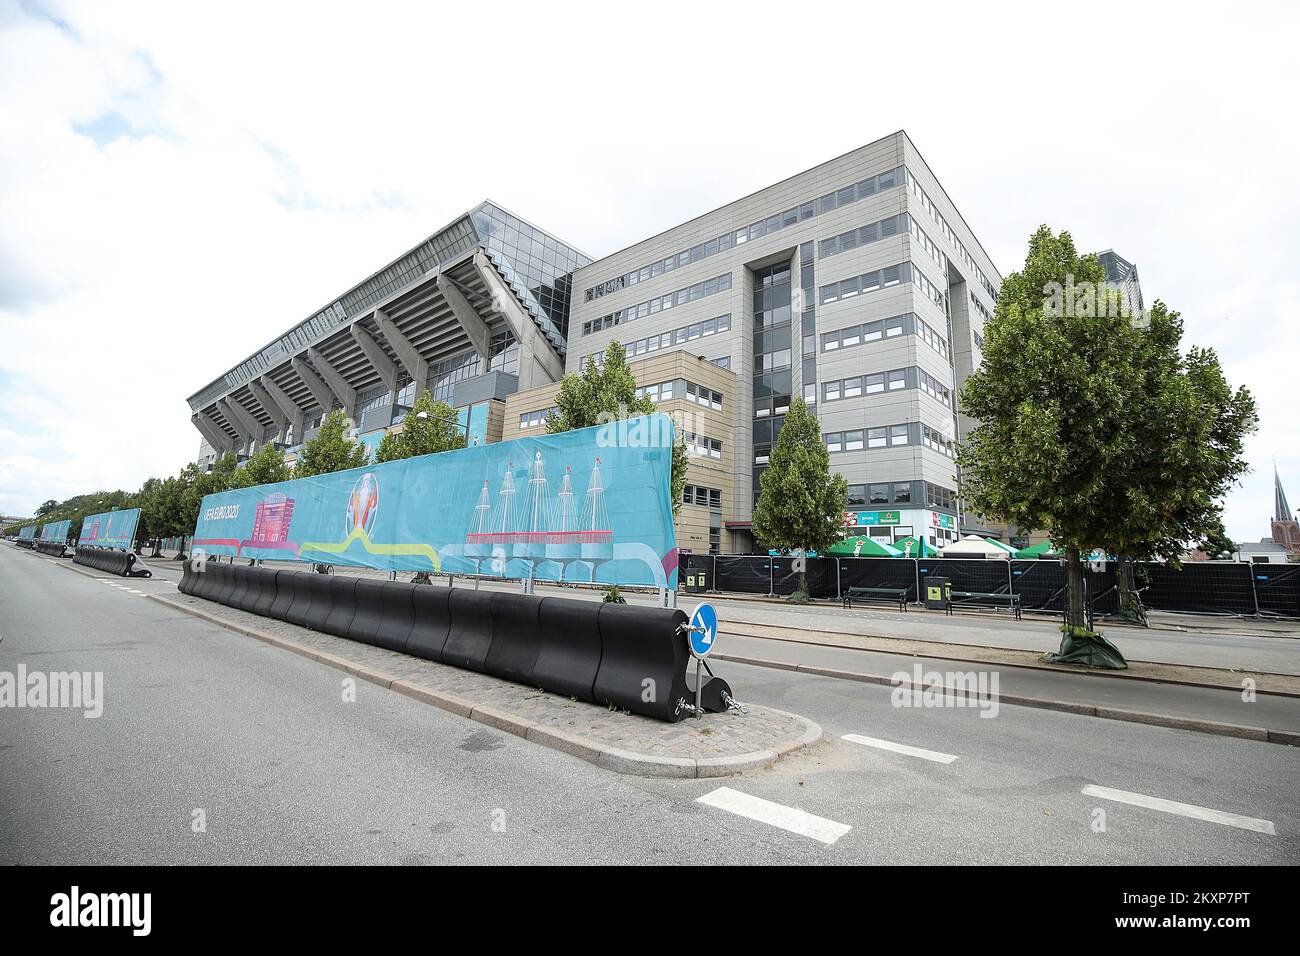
1040	584
879	573
968	574
744	574
1278	588
820	573
1199	587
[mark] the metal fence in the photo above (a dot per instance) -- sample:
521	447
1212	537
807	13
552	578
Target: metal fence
1235	588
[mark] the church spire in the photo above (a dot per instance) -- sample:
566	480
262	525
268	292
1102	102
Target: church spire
1282	511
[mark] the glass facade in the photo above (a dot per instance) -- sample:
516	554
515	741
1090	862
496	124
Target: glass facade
773	304
537	266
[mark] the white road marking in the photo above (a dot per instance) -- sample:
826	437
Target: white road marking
133	591
775	814
900	748
1182	809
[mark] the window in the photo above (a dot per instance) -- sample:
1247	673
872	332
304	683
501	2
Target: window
898	434
876	438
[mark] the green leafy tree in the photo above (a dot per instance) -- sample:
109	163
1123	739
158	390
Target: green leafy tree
428	428
1216	542
800	503
265	466
1094	427
330	449
192	484
608	392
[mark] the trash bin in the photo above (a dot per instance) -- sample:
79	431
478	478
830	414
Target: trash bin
938	591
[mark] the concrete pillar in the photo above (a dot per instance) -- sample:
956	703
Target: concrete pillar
288	407
215	435
539	364
271	408
240	423
345	393
471	322
407	354
319	390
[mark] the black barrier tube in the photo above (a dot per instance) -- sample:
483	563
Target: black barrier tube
223	583
470	635
283	599
365	618
320	589
642	661
266	591
343	604
431	622
299	598
569	655
238	593
516	637
396	616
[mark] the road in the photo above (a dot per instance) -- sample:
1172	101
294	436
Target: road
285	770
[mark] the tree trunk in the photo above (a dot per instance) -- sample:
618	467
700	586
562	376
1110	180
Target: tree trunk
803	582
1130	602
1074	611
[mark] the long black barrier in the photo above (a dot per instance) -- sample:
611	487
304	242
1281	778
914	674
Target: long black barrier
25	543
747	575
111	561
624	656
55	549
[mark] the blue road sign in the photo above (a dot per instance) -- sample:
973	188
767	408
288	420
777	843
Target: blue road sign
704	628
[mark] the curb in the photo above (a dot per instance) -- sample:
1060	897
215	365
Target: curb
610	758
1216	728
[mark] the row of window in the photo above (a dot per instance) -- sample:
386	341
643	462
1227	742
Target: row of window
704	497
801	213
886	436
858	385
933	387
699	290
702	446
687	333
934	439
931	291
951	236
537	418
881	493
870	282
680	388
929	245
980	308
879	329
862	236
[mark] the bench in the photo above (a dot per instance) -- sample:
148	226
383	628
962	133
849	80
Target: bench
898	595
979	598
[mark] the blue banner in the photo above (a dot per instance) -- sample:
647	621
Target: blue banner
28	533
56	531
593	505
112	529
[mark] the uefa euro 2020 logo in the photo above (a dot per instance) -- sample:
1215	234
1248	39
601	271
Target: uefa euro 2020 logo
363	504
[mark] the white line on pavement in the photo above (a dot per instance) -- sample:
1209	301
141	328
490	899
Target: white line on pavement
900	748
775	814
1182	809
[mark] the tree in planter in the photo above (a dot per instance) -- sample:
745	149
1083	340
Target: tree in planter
330	449
1096	427
800	503
608	391
428	428
264	467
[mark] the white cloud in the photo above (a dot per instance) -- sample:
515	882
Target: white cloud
276	153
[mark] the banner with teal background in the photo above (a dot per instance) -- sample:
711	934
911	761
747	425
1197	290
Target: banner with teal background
56	530
593	505
112	529
28	533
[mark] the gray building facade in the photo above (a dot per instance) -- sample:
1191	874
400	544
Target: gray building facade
856	285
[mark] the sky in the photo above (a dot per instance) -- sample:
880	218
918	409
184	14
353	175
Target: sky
180	183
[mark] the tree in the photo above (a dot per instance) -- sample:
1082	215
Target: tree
1095	427
605	392
800	503
428	428
1216	542
265	466
330	449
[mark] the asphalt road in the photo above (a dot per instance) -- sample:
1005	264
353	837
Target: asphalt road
199	718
